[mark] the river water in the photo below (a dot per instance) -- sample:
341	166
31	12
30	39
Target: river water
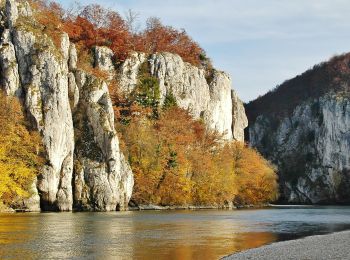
204	234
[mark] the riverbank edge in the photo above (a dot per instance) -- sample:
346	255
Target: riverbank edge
193	207
152	207
5	209
326	246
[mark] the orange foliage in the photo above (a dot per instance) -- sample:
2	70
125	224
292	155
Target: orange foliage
160	38
50	16
97	26
21	153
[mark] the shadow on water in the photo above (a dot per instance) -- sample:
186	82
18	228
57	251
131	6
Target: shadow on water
160	234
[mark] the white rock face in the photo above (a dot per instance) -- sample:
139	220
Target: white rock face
218	116
103	179
210	101
311	148
45	76
73	57
186	82
11	11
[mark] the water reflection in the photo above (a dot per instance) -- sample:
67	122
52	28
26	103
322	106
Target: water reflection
159	235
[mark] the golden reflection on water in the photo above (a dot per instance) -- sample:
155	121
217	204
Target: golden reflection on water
213	248
128	235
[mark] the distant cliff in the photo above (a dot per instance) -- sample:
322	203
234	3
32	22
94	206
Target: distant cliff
303	126
71	108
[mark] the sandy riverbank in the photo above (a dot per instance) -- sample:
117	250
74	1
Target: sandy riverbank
332	246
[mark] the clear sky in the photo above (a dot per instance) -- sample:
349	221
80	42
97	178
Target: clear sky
260	43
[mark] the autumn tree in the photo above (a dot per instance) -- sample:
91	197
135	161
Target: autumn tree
20	152
159	38
97	26
256	177
93	25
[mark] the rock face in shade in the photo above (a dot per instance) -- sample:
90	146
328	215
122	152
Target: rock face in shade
306	133
45	77
209	98
311	148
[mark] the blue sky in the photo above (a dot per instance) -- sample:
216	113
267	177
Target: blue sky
260	43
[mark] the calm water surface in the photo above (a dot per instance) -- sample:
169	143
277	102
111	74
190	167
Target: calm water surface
159	234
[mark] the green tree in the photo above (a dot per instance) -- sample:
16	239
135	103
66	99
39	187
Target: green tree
169	101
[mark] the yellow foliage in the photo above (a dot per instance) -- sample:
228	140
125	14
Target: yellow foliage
176	161
256	177
19	152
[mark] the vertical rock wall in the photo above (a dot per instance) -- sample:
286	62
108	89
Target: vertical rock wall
45	77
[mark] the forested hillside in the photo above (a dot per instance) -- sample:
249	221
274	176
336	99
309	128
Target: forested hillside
332	76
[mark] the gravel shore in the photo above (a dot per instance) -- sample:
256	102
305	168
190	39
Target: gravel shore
332	246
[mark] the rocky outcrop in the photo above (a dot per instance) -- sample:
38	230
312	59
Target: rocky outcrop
102	176
104	60
239	117
129	71
45	77
206	97
44	82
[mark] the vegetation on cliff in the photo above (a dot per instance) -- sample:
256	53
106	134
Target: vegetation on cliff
20	153
176	160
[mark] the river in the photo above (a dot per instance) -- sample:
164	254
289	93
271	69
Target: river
202	234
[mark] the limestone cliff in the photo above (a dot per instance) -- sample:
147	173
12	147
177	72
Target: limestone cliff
304	128
206	97
45	77
72	109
